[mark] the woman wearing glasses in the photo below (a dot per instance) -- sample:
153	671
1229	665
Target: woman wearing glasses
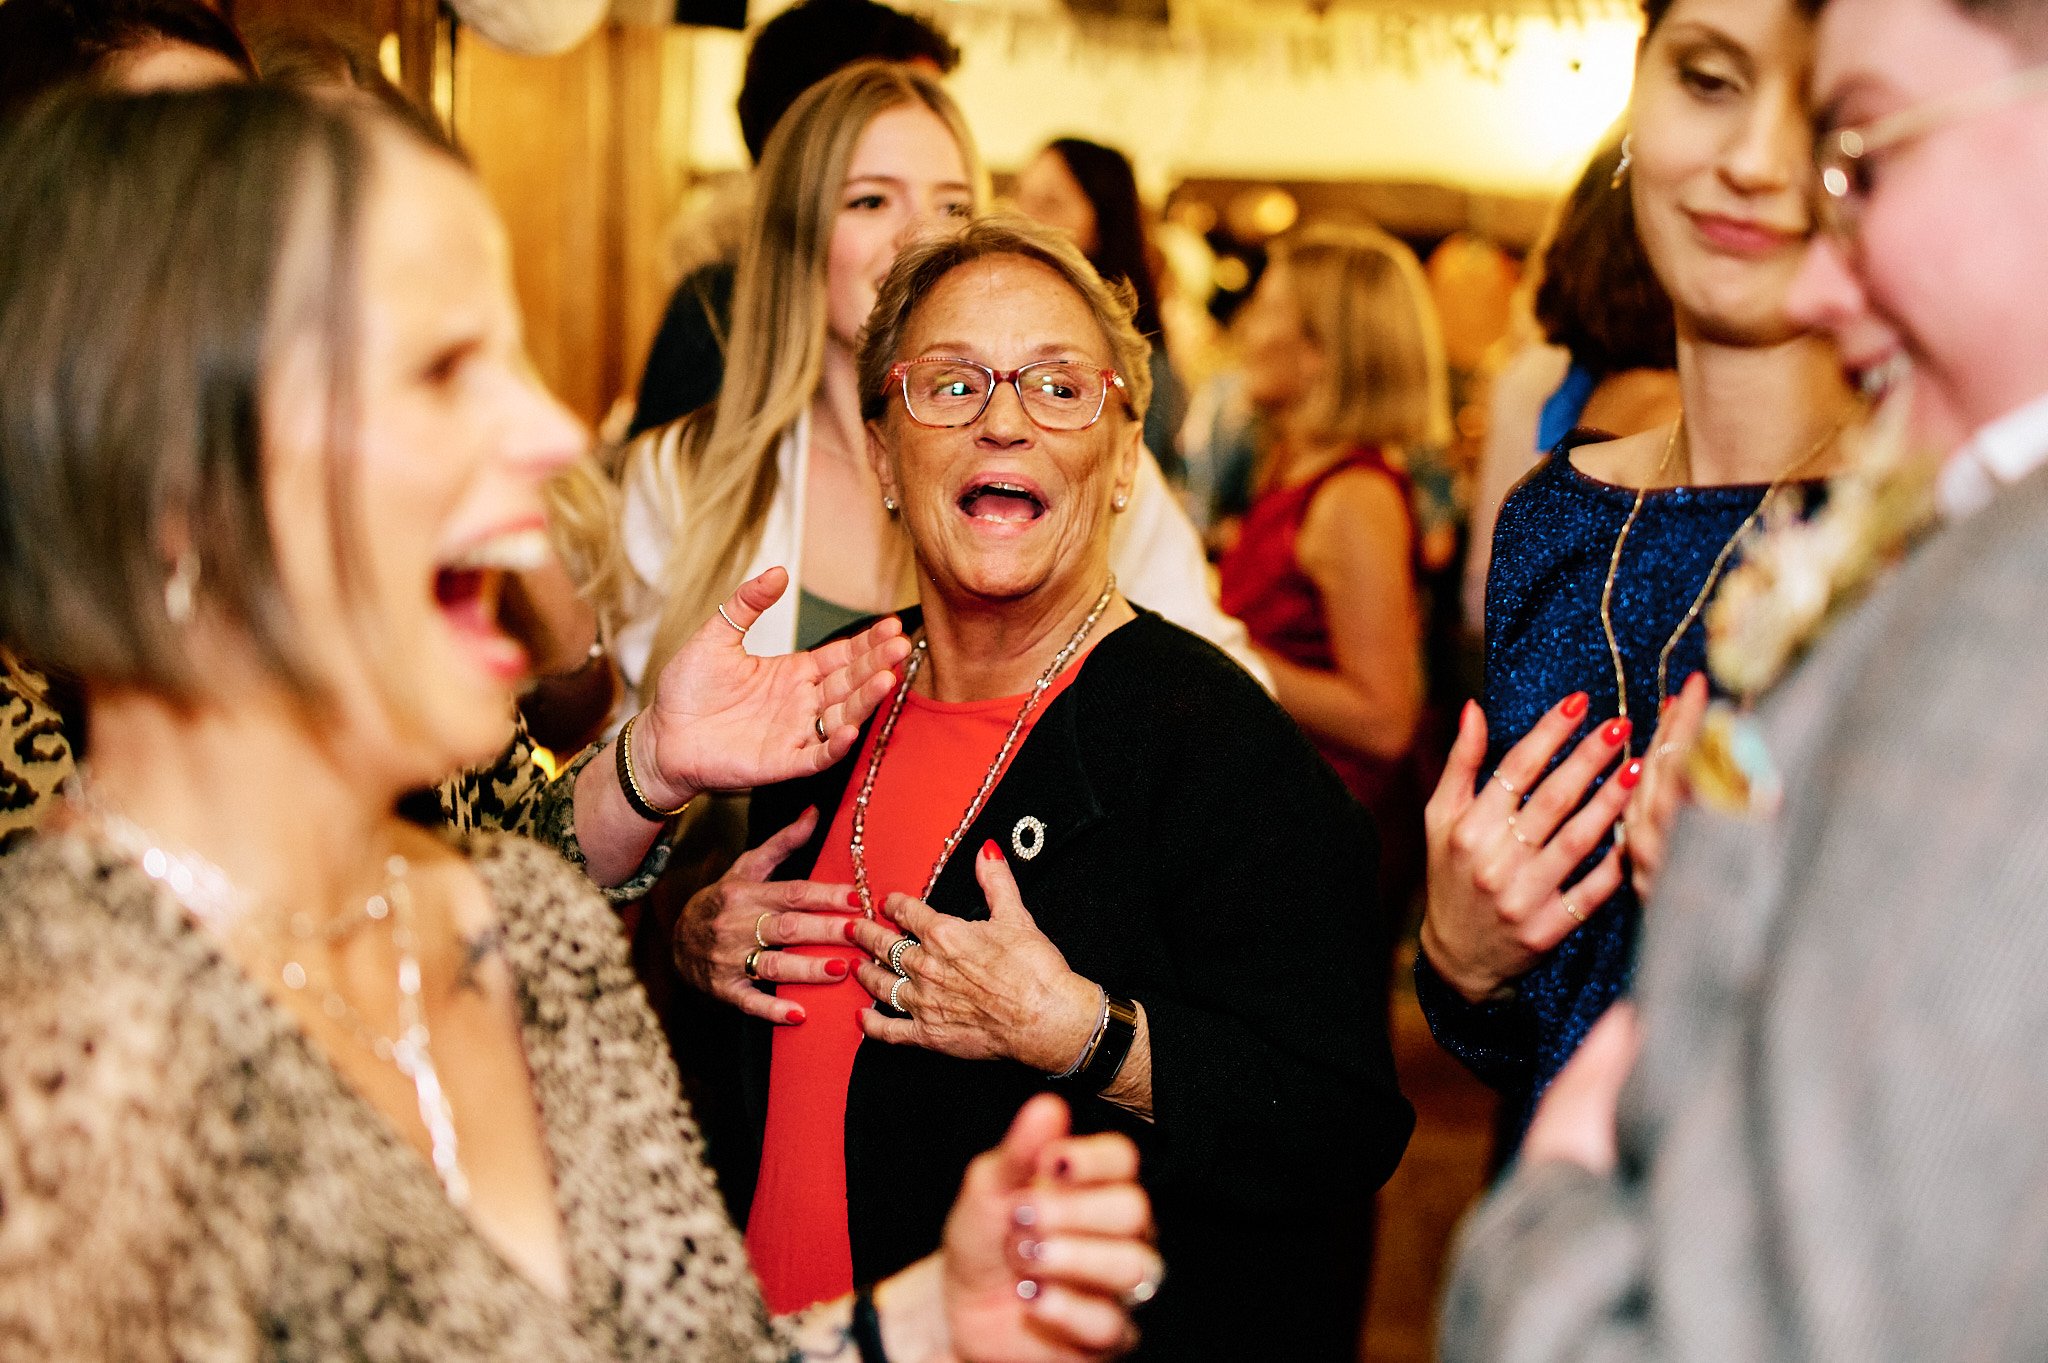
1080	849
1607	556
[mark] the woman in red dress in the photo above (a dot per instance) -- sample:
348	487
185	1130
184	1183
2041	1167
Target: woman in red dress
1343	354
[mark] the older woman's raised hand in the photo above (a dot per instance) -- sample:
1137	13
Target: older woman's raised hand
724	719
1498	859
997	988
743	919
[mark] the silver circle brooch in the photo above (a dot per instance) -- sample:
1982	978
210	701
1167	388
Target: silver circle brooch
1027	839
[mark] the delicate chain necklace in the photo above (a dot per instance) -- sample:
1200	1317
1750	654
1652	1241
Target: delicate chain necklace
1699	599
211	896
995	768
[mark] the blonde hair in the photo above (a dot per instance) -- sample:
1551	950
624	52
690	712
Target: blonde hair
722	459
1365	303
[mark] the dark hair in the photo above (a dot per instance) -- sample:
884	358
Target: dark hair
47	43
1122	250
1599	298
341	58
814	38
1655	10
158	245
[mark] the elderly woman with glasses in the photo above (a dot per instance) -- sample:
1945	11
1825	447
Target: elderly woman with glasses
1081	850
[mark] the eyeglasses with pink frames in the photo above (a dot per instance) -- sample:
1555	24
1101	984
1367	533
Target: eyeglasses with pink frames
1058	395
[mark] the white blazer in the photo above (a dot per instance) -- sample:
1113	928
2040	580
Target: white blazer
1153	549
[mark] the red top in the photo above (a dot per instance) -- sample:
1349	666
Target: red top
796	1232
1263	586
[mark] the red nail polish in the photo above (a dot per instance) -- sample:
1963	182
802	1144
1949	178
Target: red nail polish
837	968
796	1015
1574	705
1616	731
1630	774
853	899
990	850
849	928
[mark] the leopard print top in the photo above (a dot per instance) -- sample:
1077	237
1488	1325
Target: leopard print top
512	795
184	1176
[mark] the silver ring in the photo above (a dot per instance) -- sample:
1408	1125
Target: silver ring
759	940
753	962
1572	910
818	723
1515	829
896	950
895	990
1507	785
729	620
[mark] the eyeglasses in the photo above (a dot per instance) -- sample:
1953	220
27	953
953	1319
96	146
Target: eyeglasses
1845	157
1057	395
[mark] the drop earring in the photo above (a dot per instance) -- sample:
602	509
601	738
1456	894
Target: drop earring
1621	166
180	586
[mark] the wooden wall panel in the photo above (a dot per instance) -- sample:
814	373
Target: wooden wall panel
569	149
413	21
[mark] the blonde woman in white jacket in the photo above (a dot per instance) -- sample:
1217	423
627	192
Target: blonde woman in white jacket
775	472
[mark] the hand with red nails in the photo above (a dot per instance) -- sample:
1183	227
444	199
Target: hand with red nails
727	921
1048	1241
1654	806
993	989
1498	859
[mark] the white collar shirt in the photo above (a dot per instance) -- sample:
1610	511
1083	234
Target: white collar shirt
2001	453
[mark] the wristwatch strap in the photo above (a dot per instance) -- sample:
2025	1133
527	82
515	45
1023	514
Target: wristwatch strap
1115	1046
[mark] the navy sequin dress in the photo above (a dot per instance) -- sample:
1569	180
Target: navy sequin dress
1551	549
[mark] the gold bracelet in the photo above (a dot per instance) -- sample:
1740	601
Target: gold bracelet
631	784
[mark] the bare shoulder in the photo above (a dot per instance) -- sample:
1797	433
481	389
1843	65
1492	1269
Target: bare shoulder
1632	461
1357	509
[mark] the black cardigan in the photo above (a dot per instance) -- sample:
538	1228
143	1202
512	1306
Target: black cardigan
1200	858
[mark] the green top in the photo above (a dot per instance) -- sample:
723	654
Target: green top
818	619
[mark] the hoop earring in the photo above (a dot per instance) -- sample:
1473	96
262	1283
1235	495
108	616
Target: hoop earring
1621	166
180	587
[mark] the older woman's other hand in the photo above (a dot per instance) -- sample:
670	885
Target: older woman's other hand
1498	860
1048	1246
743	916
1655	804
998	988
1575	1120
723	719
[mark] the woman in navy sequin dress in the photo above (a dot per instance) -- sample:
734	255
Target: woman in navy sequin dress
1534	908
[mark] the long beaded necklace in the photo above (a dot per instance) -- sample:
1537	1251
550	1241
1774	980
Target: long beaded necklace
205	891
995	768
1706	590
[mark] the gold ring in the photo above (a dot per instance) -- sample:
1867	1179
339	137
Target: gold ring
818	724
759	940
1515	829
753	962
1572	910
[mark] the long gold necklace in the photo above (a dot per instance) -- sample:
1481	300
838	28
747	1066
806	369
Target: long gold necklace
1706	590
995	768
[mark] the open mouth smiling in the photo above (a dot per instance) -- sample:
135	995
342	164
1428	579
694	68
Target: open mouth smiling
479	594
1002	501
